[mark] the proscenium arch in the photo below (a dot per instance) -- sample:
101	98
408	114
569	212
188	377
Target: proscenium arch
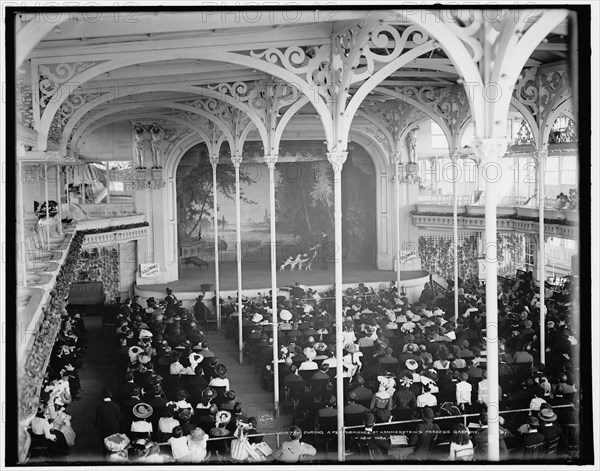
373	121
161	104
162	88
170	54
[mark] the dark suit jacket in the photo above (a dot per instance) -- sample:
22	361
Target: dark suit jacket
108	418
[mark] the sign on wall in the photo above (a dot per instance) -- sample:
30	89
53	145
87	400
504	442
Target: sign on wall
149	270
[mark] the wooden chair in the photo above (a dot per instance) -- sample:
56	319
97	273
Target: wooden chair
533	452
552	448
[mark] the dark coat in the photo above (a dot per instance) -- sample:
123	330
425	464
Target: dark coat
108	418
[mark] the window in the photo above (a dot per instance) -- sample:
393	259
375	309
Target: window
552	170
530	252
438	139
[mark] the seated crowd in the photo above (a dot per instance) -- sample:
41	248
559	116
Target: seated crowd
409	371
175	402
50	430
416	361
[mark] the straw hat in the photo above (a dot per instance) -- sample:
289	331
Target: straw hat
222	417
256	318
285	315
547	414
412	364
145	334
351	348
142	410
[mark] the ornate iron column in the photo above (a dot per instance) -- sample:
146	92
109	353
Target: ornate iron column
454	158
47	205
271	160
337	159
214	160
237	161
489	151
397	162
540	159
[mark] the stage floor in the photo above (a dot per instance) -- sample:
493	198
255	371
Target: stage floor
258	276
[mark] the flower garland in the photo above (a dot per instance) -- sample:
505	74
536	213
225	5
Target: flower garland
52	315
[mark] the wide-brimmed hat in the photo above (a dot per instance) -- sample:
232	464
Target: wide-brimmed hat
547	414
209	393
116	442
142	410
145	334
144	358
195	358
351	348
222	417
256	318
412	364
310	353
285	315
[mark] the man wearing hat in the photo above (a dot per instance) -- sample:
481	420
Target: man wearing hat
550	429
170	298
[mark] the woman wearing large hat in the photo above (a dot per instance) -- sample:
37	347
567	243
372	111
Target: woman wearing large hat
142	427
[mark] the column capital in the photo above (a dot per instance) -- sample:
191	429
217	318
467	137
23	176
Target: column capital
236	160
337	158
397	158
454	156
490	149
271	160
214	160
540	155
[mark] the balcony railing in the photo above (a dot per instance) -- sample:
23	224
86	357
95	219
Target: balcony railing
109	210
469	199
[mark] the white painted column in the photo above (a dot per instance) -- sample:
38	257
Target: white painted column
47	205
59	193
107	181
337	159
21	209
214	160
490	151
271	160
396	160
540	157
237	161
454	158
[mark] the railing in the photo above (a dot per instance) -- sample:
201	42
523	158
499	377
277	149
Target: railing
510	200
109	210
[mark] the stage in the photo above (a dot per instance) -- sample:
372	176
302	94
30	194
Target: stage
256	277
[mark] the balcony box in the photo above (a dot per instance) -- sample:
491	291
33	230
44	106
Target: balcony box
506	211
528	212
476	210
436	208
572	216
554	214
